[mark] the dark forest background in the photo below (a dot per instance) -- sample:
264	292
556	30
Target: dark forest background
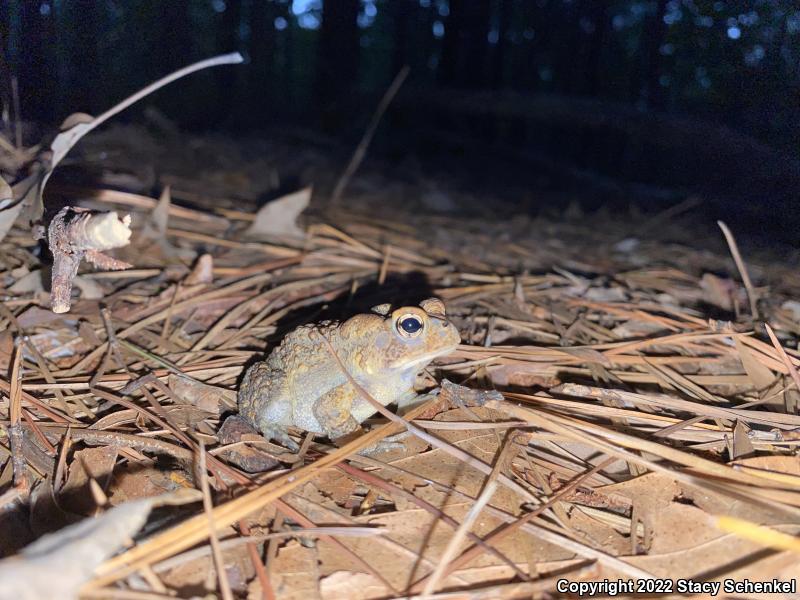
662	97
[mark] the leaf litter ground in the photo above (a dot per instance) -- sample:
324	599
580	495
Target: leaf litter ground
648	425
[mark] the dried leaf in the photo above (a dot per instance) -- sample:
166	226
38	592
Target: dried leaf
32	282
742	446
346	584
759	374
186	416
669	526
279	217
6	194
69	556
718	291
74	119
90	288
525	375
202	271
793	308
251	459
78	125
6	348
9	211
761	535
159	217
35	317
606	294
92	463
133	481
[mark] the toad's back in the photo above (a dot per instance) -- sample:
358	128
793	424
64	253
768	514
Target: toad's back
298	371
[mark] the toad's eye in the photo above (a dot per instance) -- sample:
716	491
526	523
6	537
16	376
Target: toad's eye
409	325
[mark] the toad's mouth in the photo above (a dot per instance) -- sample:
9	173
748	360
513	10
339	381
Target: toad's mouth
423	358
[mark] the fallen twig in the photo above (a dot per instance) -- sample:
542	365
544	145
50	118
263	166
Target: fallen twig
15	433
208	508
77	233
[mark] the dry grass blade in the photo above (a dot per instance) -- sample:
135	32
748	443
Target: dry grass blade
762	535
737	258
361	149
304	532
777	420
784	357
64	142
194	530
520	523
485	496
440	515
458	537
208	507
582	430
761	487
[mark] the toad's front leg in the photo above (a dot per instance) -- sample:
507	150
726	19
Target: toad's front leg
333	411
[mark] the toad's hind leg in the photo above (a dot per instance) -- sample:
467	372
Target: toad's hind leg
276	430
262	401
274	420
333	411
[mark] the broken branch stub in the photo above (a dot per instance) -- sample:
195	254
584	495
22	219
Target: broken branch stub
76	233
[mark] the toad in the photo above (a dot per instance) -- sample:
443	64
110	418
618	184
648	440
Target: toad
301	384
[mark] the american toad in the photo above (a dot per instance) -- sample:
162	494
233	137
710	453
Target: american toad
302	385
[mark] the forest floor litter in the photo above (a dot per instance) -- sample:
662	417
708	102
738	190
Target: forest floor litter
615	409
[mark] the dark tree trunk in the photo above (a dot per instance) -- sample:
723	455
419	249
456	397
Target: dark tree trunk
337	60
591	152
473	73
176	47
655	32
451	46
84	20
402	13
539	18
287	66
645	157
425	45
228	41
37	71
599	17
261	74
465	47
5	19
566	43
5	60
499	55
